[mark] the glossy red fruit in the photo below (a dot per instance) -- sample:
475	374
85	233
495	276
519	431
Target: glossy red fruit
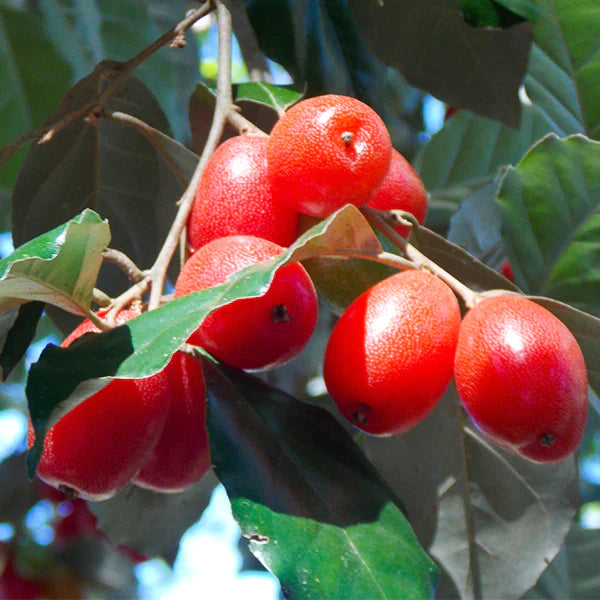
326	152
234	197
96	448
182	456
402	189
507	270
251	333
389	358
521	377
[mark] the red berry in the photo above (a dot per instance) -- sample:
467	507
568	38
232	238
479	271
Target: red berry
234	197
326	152
389	358
507	270
96	448
521	377
181	457
251	333
402	189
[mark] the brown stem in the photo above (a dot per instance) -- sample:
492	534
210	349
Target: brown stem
115	73
222	108
418	258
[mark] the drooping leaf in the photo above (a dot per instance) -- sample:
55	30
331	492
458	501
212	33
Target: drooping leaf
19	336
108	167
86	34
313	509
59	267
492	520
551	222
437	51
454	259
582	551
143	346
150	522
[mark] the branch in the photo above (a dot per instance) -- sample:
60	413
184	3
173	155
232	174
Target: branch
418	258
223	106
121	260
114	73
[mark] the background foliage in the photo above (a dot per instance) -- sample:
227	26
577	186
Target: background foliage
514	174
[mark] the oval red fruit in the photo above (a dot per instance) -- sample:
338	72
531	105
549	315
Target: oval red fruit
326	152
389	358
521	377
234	197
251	333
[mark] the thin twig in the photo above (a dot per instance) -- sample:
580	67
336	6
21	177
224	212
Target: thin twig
418	258
121	260
135	292
114	73
222	108
100	298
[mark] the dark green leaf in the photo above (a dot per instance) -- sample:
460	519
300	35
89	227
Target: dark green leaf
152	523
585	328
142	346
314	510
85	34
458	262
437	51
492	520
59	267
34	77
319	44
582	551
19	336
565	64
551	222
489	13
108	167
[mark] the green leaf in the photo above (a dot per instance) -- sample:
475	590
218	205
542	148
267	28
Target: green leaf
582	551
475	68
33	78
150	522
59	267
313	509
551	223
86	34
143	346
565	65
108	167
19	337
489	13
492	521
278	97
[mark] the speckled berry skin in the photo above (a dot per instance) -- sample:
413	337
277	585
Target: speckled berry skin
251	333
390	356
181	457
326	152
234	197
402	189
98	446
521	377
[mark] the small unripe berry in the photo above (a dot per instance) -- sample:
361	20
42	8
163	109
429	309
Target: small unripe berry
389	358
521	377
251	333
326	152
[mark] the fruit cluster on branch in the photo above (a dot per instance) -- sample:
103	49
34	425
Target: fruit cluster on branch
519	371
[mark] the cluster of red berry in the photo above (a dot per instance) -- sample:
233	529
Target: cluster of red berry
390	357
